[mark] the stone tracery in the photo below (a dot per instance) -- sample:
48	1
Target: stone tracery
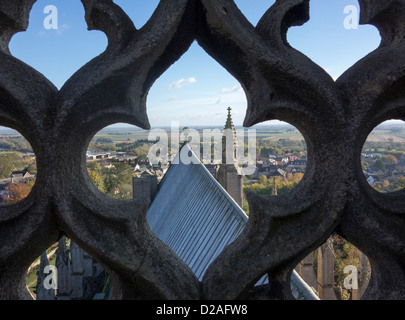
280	83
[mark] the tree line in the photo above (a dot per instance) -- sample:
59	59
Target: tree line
115	181
15	144
265	148
14	161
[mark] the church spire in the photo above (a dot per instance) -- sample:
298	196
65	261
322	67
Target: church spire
229	122
229	174
229	137
62	251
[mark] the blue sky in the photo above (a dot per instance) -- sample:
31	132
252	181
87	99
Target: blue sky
196	90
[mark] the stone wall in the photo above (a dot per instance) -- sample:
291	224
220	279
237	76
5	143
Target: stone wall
335	117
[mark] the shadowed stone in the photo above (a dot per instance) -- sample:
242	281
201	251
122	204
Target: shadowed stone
281	83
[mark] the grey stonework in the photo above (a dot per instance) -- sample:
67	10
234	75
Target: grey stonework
79	276
229	174
42	292
335	117
325	272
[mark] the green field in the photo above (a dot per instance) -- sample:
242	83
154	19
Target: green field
118	135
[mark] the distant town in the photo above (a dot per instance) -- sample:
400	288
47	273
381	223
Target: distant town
113	154
383	158
116	154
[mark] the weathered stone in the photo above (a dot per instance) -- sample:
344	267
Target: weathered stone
42	292
326	272
280	83
307	272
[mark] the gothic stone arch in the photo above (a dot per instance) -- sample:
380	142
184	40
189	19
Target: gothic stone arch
280	82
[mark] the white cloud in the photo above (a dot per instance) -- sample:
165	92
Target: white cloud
231	90
182	82
61	29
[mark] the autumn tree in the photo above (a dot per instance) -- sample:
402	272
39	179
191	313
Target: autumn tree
118	178
398	185
94	166
265	186
141	152
401	183
345	254
97	179
31	168
390	159
18	191
8	163
379	165
385	184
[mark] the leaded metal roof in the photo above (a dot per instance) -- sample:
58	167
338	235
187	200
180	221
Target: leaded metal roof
196	217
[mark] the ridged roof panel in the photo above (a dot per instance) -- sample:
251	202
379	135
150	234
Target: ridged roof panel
196	217
199	219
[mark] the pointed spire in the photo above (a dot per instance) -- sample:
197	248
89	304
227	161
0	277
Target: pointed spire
63	265
41	276
44	262
61	252
228	131
229	122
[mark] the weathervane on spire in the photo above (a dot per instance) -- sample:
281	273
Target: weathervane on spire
229	122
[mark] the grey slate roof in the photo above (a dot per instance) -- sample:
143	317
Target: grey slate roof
197	218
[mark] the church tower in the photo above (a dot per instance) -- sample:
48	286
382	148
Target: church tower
229	174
